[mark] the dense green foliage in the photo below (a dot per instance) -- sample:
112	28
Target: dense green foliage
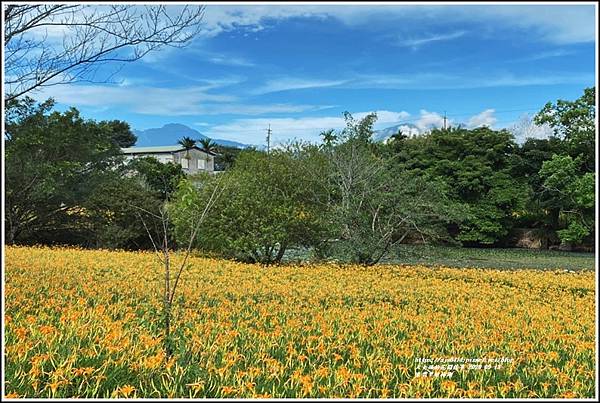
573	122
568	177
573	192
349	196
266	207
160	178
373	203
53	161
478	167
225	157
66	182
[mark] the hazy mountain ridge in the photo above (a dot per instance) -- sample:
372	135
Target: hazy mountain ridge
170	133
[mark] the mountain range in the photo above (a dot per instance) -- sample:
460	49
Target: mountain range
170	133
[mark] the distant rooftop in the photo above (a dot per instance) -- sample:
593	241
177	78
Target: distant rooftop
157	149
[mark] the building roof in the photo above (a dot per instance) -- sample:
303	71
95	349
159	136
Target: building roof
158	149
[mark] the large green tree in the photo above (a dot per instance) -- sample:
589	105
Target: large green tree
574	122
120	132
568	177
374	204
116	211
267	207
478	167
226	157
542	209
160	178
53	161
574	193
65	181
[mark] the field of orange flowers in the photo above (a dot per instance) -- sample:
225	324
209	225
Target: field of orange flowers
88	324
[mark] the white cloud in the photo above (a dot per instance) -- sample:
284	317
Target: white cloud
231	61
552	23
253	18
252	131
560	24
485	118
543	55
144	99
203	55
417	42
409	130
385	117
430	120
429	81
292	83
421	81
182	101
246	109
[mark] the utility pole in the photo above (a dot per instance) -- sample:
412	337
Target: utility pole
444	120
269	139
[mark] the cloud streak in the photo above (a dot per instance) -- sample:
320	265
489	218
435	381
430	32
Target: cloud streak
231	61
558	24
418	42
423	81
163	101
433	81
293	83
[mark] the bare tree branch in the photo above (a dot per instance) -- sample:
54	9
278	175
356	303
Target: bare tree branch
216	193
92	35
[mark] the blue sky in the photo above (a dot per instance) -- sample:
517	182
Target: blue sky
298	67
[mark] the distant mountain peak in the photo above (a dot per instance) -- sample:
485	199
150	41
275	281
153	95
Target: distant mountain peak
171	133
176	126
407	128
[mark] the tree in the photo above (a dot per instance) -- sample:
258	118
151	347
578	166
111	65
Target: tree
329	137
90	36
268	207
375	205
162	244
112	209
208	145
160	178
477	166
226	157
574	195
574	121
541	210
188	143
53	162
568	177
120	132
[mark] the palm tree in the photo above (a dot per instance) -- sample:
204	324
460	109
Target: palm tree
329	137
188	143
208	145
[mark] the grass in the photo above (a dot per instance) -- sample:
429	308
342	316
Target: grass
492	258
